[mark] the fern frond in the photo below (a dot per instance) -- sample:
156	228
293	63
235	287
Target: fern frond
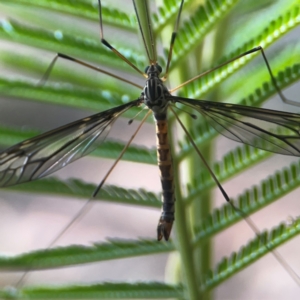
77	188
83	9
58	41
79	254
66	94
260	246
232	163
270	190
268	36
200	23
151	290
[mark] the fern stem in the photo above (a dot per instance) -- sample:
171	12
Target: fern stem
184	244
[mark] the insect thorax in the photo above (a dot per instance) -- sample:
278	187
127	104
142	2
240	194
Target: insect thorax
155	91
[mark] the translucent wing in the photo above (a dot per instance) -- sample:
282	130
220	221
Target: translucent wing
53	150
270	130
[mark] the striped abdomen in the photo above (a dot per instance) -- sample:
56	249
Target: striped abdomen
165	165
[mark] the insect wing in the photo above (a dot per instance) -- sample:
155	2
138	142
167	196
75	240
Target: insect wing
53	150
266	129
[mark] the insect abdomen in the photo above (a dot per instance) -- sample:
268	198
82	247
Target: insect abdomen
165	165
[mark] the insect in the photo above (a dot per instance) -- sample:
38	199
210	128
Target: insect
37	157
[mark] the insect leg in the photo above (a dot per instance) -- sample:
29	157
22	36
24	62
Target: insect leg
109	46
173	37
120	156
245	216
64	56
256	49
106	44
88	204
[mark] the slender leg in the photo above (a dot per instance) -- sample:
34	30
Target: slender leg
256	49
64	56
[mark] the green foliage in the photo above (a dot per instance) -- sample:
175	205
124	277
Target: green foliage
208	35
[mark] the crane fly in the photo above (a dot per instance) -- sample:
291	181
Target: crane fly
42	155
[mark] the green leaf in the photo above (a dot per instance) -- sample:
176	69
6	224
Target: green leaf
59	41
80	189
271	189
261	245
85	9
277	28
78	254
151	290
